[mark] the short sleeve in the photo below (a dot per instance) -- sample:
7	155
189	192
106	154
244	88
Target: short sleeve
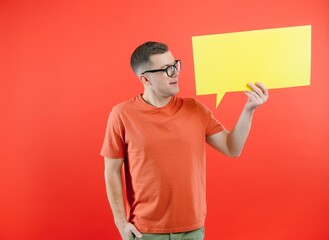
114	140
212	125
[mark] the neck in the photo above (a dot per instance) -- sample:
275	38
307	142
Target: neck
156	101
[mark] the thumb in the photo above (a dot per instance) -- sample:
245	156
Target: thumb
137	233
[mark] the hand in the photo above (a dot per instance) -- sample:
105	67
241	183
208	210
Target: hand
257	96
127	229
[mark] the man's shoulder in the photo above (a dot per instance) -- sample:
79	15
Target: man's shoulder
124	105
124	108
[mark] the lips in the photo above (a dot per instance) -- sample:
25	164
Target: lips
172	83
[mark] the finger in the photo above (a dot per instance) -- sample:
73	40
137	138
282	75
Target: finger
137	233
260	89
255	89
264	88
254	97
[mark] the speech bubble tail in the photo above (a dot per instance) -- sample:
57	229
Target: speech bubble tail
219	97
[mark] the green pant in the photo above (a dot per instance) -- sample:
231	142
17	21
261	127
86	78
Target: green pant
192	235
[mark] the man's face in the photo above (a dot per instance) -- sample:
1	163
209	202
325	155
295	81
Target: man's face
159	82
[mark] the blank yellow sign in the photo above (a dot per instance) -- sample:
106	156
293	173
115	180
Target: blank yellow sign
279	58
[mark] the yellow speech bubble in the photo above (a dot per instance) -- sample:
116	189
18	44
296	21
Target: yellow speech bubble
279	58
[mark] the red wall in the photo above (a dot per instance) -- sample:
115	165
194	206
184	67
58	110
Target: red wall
63	64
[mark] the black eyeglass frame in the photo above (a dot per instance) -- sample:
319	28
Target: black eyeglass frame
166	69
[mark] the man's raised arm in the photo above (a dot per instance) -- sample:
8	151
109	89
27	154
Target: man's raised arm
231	143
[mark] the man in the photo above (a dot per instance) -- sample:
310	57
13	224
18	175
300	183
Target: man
160	139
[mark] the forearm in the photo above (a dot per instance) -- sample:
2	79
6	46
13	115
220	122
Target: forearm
114	192
238	136
113	181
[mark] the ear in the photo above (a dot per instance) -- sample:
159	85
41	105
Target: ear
144	80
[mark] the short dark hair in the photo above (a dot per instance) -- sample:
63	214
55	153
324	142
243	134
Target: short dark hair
142	53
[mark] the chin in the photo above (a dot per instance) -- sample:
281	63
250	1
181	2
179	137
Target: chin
174	93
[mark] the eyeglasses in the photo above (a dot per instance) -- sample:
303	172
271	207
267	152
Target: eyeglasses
170	70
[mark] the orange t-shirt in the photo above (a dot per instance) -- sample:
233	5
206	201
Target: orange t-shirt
164	161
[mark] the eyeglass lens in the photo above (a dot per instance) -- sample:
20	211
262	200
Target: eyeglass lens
171	69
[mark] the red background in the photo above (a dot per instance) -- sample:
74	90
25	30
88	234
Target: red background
64	64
